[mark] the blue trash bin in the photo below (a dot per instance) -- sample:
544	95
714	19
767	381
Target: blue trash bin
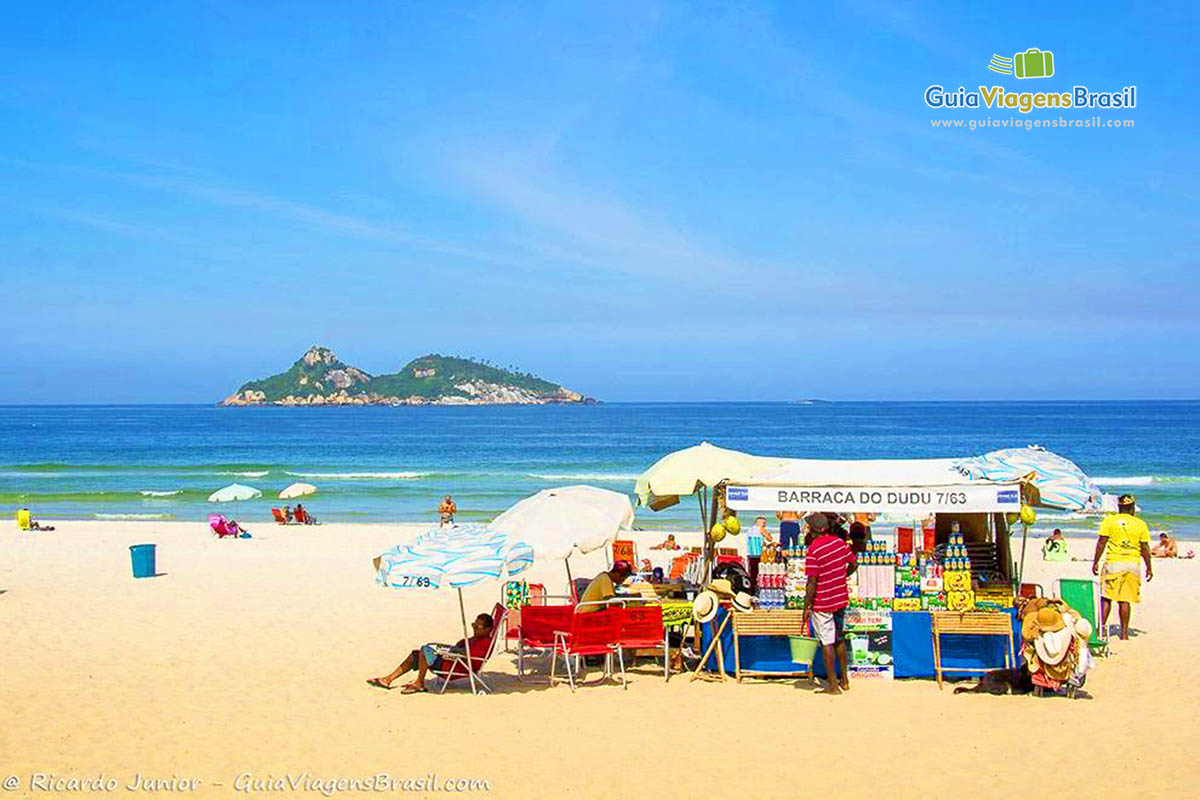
142	556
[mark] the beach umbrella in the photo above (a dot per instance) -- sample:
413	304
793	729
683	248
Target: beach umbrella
234	492
557	522
454	558
1056	482
704	466
696	470
1059	482
297	490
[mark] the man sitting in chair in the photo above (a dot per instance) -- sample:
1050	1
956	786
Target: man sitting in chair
426	657
603	587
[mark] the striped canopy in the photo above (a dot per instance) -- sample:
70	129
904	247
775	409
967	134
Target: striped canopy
1059	482
456	557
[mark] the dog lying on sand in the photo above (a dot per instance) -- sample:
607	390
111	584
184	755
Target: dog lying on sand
1001	681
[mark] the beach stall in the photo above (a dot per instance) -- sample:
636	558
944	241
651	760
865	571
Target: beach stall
933	536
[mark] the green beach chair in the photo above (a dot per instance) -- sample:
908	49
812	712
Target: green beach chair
1083	595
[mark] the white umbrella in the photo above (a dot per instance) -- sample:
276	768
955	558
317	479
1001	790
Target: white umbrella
297	490
557	522
234	491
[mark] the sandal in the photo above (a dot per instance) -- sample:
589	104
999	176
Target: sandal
413	688
380	684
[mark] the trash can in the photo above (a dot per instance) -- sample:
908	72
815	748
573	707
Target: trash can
142	556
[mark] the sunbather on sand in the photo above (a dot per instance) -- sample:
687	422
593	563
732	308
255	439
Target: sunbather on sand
1167	547
425	658
667	544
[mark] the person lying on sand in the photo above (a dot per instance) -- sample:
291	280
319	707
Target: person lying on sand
425	658
666	544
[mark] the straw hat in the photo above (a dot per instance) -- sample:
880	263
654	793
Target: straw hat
743	602
722	587
1052	647
704	607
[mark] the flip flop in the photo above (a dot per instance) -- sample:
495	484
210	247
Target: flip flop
412	688
380	684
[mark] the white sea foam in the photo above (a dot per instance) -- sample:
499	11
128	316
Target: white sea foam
583	476
1145	480
1134	480
155	493
351	476
133	516
252	474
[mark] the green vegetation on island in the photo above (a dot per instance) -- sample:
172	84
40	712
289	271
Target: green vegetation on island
320	378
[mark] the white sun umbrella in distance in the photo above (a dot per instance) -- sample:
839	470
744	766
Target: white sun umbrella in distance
455	558
297	490
557	522
233	493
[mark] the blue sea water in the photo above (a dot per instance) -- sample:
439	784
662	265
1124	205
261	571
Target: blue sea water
381	464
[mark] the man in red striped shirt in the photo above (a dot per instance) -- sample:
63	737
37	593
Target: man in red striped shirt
828	564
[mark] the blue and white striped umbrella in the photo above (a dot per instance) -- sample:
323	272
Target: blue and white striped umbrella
456	557
1060	483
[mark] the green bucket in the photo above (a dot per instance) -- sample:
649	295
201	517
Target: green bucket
803	649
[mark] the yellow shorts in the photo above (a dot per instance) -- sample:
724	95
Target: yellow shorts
1123	587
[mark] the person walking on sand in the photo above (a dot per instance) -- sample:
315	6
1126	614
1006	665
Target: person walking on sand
446	512
1123	540
828	563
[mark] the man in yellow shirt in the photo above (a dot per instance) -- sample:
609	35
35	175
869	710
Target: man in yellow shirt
1123	540
603	587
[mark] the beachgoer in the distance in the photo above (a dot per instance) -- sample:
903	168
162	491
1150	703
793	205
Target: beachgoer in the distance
603	587
828	563
446	511
1123	539
1166	547
756	537
859	534
425	657
666	544
789	529
34	525
303	517
1055	543
288	516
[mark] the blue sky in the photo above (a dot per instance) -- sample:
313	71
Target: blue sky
644	202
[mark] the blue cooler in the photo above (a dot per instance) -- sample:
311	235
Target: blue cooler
142	556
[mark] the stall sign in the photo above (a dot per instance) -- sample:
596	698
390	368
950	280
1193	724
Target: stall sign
890	499
870	635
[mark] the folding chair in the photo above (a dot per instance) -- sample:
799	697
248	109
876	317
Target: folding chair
1031	590
536	631
594	634
279	517
642	629
1083	595
454	665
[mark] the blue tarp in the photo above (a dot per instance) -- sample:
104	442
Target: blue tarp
912	648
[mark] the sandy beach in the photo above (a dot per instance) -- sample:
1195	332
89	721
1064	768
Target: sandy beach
245	661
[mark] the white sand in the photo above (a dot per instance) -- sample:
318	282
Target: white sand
250	657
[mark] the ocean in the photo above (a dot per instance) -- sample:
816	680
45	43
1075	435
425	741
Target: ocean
382	464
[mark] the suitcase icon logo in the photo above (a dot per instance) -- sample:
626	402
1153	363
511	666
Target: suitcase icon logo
1033	63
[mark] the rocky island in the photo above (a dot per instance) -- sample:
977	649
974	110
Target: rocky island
319	378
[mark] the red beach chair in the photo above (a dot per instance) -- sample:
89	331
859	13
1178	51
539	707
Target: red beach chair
538	624
594	634
279	517
642	629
